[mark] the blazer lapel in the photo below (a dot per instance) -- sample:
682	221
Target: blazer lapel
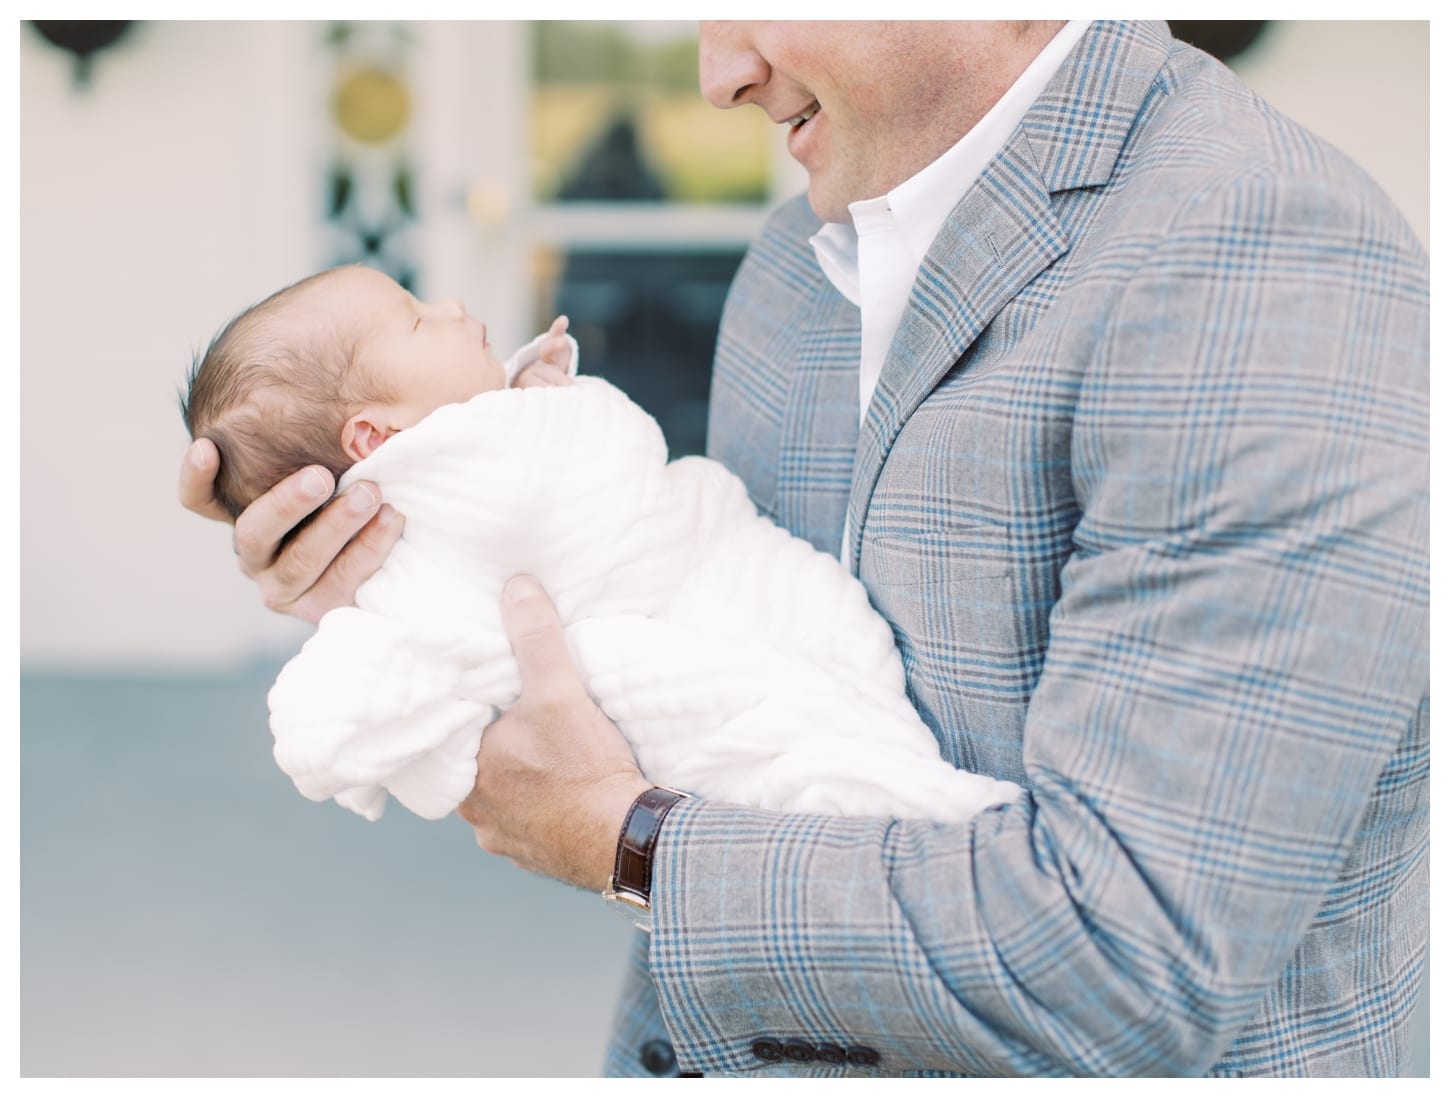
1000	237
818	433
1004	231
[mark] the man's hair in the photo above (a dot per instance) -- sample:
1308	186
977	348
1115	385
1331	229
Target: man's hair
272	392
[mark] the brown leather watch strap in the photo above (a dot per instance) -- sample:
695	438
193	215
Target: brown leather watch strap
635	854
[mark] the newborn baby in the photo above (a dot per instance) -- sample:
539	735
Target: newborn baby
739	662
325	370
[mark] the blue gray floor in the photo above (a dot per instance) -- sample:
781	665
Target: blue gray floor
184	912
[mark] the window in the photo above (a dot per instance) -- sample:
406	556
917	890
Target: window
644	199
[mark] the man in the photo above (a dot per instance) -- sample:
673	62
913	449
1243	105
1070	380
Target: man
1133	456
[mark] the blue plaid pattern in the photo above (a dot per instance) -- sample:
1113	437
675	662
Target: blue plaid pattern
1144	494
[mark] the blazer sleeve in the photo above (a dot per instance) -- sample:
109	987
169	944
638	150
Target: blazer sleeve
1238	645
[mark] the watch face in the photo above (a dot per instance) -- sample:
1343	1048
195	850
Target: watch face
628	906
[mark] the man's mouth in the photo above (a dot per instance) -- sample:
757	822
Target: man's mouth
805	116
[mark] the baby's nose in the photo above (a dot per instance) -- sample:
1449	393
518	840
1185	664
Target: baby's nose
455	306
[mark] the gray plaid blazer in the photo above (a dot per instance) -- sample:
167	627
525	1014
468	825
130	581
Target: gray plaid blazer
1143	492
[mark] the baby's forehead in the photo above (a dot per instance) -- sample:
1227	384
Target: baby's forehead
342	302
357	279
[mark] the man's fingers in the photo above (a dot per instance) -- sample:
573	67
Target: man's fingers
307	556
196	485
361	557
263	525
546	667
322	567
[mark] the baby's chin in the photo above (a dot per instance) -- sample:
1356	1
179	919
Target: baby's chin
490	381
493	376
478	391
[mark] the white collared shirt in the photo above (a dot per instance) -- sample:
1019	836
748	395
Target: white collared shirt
873	261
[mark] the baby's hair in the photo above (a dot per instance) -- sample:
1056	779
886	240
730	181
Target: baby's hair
272	393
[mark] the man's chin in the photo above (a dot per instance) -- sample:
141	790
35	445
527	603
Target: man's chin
826	206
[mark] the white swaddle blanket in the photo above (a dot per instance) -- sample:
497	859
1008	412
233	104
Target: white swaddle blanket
739	662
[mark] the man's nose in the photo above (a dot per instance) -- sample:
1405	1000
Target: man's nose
731	70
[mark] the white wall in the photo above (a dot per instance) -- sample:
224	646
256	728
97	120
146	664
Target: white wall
153	205
1365	87
183	186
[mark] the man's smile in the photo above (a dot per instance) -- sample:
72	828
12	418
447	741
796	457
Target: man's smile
805	116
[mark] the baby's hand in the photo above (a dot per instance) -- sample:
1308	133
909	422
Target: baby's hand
540	374
552	367
554	356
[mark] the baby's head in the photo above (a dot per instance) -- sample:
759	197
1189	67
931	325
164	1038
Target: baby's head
324	371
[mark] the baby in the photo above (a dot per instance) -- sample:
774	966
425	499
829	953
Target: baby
327	369
738	661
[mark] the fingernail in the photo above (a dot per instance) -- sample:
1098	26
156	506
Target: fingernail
362	499
316	484
193	455
520	588
387	515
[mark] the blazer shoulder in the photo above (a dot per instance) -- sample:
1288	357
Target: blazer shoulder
780	264
1203	133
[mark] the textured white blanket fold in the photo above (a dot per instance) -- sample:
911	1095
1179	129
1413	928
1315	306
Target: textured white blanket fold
739	662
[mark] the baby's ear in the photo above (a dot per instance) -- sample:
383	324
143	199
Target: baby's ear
361	435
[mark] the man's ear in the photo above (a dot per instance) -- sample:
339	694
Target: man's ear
364	433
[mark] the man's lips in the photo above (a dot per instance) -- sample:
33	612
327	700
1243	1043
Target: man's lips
797	141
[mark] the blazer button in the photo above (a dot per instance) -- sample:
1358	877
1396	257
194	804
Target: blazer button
798	1051
862	1057
767	1050
830	1054
658	1057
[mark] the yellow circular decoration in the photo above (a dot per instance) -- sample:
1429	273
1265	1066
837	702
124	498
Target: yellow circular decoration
370	105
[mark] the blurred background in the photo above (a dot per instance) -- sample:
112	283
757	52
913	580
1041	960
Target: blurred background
183	910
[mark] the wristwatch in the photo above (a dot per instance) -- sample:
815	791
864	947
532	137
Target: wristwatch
628	891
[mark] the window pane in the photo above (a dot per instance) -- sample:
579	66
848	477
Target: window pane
645	321
618	116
